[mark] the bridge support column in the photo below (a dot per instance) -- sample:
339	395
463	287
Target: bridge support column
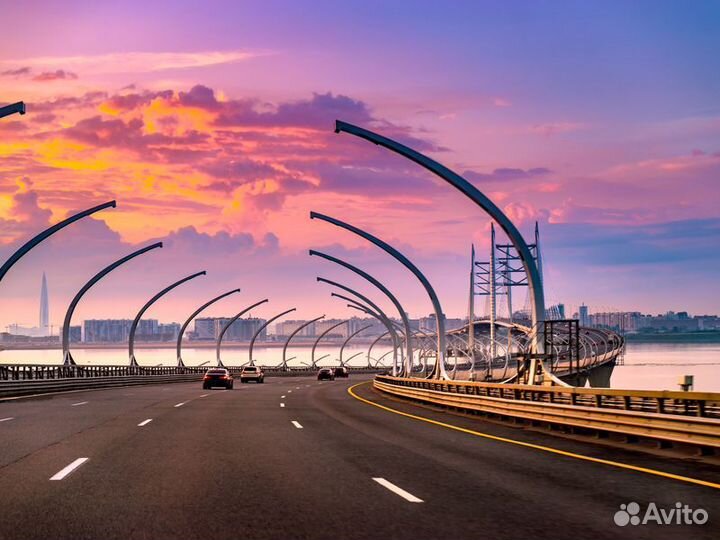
599	377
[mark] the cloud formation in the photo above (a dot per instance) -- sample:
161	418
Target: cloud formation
136	62
230	181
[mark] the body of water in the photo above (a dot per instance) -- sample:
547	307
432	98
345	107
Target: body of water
658	366
648	366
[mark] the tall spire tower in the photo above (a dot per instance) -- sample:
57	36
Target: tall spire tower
44	307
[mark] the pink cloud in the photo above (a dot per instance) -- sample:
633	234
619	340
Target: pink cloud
57	75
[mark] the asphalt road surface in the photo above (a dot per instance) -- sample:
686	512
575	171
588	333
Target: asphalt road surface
296	458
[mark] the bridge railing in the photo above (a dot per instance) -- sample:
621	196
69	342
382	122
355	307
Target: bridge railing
689	418
703	404
27	372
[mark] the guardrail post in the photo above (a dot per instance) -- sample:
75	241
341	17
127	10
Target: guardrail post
660	405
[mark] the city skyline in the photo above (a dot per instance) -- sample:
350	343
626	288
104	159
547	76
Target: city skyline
208	149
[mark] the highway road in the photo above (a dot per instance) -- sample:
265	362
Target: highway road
296	458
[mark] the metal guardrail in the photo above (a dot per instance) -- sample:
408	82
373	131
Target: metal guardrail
23	380
31	387
24	372
680	417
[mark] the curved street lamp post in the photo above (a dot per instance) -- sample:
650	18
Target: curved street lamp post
178	346
537	297
383	289
439	370
377	312
136	321
295	332
259	330
313	363
27	246
67	357
342	348
380	317
228	325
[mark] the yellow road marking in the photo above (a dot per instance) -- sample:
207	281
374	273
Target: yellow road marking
536	446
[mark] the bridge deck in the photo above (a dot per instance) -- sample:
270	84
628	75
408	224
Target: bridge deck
199	469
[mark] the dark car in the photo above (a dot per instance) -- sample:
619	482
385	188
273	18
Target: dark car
218	377
326	374
342	372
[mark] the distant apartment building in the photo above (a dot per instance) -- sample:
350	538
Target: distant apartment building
118	331
708	322
429	323
105	330
285	328
626	321
168	331
375	326
634	321
204	329
323	325
241	329
209	328
584	315
352	325
669	322
75	333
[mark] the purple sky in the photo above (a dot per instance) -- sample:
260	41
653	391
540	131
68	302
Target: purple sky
211	124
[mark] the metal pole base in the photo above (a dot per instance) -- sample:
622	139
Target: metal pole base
68	360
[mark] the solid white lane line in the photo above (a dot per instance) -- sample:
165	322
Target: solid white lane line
398	491
80	403
145	422
7	419
70	468
296	424
282	405
181	404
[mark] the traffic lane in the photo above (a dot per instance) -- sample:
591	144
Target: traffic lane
496	487
43	421
26	486
624	453
229	466
294	504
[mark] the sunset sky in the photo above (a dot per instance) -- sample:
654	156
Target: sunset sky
211	123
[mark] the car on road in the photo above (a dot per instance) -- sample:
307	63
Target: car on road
252	373
326	374
218	377
342	372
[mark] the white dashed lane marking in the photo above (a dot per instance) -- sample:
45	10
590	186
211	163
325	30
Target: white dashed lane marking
296	424
70	468
145	422
398	491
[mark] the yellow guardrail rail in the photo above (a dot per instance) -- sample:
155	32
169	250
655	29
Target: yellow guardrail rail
679	417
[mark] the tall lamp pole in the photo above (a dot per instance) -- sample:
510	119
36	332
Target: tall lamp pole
15	108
